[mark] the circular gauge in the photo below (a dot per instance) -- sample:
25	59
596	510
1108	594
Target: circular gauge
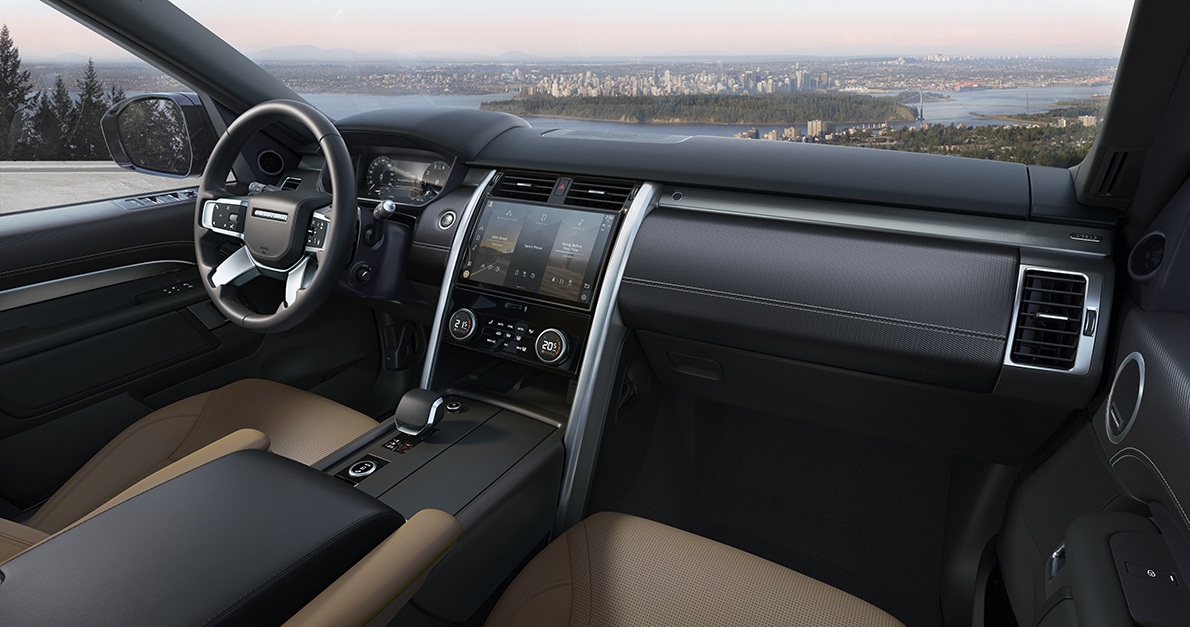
434	178
382	174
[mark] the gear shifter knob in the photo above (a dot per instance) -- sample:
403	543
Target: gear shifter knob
418	412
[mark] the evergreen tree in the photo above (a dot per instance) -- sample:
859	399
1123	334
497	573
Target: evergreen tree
90	107
51	126
15	90
116	94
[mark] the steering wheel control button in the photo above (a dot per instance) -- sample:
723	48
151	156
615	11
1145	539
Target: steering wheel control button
552	346
316	234
228	217
447	220
462	324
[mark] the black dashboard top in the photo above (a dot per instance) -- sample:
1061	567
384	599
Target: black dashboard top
903	179
459	131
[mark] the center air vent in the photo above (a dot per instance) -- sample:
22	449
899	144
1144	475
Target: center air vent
600	193
525	186
1049	320
290	182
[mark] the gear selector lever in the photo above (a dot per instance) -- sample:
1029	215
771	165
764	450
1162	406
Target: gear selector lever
418	412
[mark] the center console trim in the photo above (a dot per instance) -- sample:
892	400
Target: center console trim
604	316
448	279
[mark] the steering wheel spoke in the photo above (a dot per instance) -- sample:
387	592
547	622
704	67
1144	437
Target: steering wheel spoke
298	278
237	269
225	216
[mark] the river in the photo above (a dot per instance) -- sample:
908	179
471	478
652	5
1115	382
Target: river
986	102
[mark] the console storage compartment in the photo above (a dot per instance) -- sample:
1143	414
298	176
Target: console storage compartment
496	470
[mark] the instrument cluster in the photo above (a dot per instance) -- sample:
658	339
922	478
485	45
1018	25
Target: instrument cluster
406	179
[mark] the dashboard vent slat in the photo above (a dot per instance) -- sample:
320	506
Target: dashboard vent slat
600	193
290	182
1049	319
525	186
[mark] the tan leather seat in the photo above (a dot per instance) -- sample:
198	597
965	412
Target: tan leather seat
300	425
614	570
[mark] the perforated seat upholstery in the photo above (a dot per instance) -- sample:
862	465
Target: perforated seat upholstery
614	570
301	426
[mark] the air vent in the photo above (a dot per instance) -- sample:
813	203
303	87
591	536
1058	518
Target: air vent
600	193
270	162
1049	321
525	186
290	182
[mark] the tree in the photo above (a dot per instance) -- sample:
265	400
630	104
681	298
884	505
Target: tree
52	124
15	90
91	105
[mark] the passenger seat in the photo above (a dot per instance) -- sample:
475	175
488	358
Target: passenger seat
614	570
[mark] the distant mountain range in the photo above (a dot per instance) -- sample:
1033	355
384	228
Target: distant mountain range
311	53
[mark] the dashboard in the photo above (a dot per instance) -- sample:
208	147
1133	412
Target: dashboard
745	270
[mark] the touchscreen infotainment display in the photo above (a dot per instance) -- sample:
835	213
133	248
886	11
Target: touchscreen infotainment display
549	251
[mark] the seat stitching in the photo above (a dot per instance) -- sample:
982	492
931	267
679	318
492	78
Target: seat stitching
17	542
91	466
204	416
773	302
533	594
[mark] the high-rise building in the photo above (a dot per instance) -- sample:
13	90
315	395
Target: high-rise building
815	128
1088	120
773	135
793	132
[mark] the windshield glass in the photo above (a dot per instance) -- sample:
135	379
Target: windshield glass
1017	80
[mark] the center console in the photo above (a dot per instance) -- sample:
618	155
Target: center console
495	434
528	278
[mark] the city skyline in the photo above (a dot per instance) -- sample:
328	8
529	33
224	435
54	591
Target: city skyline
578	30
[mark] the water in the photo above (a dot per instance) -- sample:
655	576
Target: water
958	111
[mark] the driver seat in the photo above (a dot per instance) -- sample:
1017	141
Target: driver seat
301	426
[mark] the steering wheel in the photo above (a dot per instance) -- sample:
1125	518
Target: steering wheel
303	238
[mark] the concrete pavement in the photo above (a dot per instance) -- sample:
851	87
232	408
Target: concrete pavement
35	184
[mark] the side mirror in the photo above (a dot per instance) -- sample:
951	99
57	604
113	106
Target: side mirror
162	134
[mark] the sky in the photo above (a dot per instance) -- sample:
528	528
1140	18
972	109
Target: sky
585	28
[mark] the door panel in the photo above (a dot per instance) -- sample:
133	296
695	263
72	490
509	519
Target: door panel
103	319
48	244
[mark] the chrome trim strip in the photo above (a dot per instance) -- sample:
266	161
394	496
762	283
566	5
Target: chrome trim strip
939	224
79	283
593	392
448	279
1086	343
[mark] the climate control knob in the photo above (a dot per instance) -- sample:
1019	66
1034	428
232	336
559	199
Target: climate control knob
462	324
552	346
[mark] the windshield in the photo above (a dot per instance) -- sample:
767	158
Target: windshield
1016	80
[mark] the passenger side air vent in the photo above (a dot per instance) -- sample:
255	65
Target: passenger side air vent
525	186
290	182
1049	320
600	193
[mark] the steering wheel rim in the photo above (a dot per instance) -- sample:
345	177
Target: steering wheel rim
311	279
